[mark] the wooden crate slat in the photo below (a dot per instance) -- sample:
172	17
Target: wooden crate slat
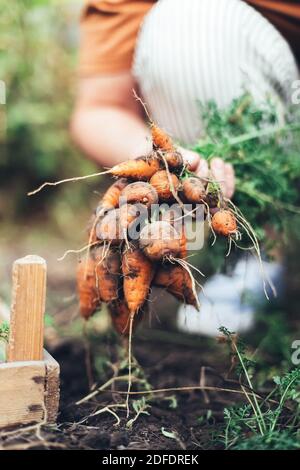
52	387
22	393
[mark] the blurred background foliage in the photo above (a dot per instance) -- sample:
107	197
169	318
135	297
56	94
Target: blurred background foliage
38	46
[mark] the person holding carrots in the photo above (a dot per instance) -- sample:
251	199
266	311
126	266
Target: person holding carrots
177	54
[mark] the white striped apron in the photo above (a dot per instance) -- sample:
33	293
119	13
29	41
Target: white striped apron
192	51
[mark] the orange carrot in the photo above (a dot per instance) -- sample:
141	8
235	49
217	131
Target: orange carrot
91	230
224	223
110	199
161	183
174	216
159	239
193	190
108	228
183	244
174	160
177	281
120	316
141	168
86	287
161	140
138	272
108	272
139	192
130	216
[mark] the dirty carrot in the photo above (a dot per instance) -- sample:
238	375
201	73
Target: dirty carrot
120	316
141	168
108	272
163	186
177	281
139	192
160	139
138	272
86	288
132	216
108	228
174	160
174	216
110	199
224	223
193	190
159	239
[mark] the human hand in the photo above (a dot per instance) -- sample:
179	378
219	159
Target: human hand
222	172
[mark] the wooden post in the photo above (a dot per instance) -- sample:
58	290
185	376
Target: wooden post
27	310
29	382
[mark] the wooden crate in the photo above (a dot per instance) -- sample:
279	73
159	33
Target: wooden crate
29	380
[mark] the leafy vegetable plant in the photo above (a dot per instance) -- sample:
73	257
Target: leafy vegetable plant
263	147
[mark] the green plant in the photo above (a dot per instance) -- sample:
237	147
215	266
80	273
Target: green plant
172	400
277	440
264	153
261	423
173	435
4	331
140	407
48	319
4	335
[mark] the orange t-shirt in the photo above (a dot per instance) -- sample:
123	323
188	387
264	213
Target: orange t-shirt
109	30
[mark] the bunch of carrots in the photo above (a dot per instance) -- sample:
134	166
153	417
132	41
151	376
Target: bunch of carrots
119	270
